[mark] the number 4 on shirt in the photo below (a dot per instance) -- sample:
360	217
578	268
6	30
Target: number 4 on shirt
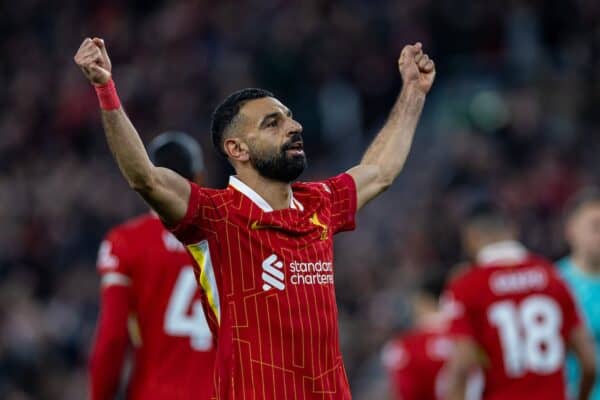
180	323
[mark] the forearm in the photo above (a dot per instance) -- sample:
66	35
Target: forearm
164	190
582	344
586	385
391	146
127	149
457	386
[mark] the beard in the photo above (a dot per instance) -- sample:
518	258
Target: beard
280	167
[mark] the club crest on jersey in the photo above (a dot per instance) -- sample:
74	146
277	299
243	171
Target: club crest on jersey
315	221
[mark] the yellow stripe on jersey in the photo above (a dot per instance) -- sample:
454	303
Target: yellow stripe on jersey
201	254
135	335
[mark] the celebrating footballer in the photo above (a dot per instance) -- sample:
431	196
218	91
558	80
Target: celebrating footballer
275	338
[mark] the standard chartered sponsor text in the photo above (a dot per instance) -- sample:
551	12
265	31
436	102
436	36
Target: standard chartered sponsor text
311	273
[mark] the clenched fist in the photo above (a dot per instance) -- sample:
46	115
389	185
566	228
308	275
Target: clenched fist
416	67
93	60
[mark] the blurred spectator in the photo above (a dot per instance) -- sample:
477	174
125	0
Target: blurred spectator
581	270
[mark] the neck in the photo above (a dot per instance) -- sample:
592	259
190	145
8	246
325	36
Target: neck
277	194
428	318
586	264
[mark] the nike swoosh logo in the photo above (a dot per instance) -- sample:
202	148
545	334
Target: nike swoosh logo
256	226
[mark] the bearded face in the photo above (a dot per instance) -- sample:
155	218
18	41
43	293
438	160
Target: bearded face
283	164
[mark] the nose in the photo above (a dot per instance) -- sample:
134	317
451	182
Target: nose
294	127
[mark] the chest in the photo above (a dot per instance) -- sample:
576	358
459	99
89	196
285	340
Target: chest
278	254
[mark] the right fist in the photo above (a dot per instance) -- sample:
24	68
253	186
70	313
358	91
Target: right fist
93	60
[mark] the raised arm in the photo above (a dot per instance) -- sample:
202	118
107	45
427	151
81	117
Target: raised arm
164	190
386	155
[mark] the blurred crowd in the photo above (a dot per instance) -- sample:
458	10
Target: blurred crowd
512	117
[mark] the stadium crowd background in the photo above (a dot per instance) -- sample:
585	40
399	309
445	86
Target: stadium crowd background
512	116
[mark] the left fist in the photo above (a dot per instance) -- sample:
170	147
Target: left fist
416	67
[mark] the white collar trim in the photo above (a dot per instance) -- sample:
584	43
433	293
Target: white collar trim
257	199
508	251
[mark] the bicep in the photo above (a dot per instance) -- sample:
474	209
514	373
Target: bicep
168	196
367	184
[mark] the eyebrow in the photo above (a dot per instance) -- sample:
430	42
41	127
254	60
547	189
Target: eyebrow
274	115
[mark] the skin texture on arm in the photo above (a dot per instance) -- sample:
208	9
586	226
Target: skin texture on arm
164	190
464	359
583	346
386	156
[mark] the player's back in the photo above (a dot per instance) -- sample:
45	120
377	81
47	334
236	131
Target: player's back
414	362
521	314
174	352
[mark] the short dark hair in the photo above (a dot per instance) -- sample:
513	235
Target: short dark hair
177	151
586	196
433	283
225	113
487	216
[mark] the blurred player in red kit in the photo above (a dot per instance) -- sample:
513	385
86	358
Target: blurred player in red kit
264	245
415	360
150	298
513	316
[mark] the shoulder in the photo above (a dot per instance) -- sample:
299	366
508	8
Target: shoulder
395	354
141	223
208	196
314	187
334	188
564	266
466	276
551	269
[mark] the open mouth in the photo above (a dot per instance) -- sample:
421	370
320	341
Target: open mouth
295	148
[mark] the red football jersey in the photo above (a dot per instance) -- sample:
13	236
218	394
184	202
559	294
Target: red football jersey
514	305
268	279
174	348
414	363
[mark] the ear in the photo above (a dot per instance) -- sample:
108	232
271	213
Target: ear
236	149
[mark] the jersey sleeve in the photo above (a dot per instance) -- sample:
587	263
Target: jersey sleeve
189	229
342	191
113	263
110	343
111	340
458	310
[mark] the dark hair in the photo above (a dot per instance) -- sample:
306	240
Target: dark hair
584	197
177	151
433	283
487	216
225	113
